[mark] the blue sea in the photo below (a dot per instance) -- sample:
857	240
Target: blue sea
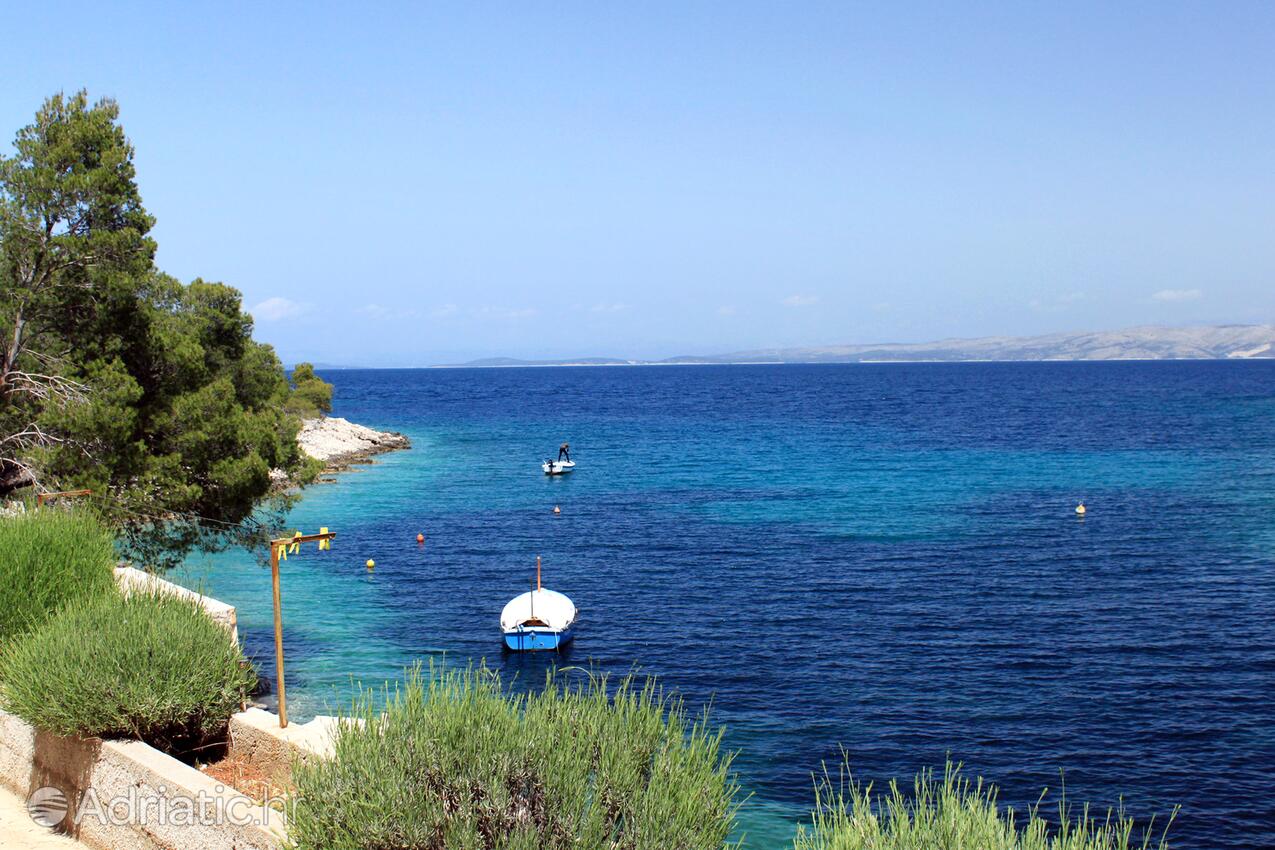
883	559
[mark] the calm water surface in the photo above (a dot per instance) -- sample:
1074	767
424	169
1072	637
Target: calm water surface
883	558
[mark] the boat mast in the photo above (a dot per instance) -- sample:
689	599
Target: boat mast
531	598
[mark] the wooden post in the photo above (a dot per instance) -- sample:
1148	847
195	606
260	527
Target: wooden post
325	542
278	636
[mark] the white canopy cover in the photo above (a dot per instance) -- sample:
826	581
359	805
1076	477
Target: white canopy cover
550	607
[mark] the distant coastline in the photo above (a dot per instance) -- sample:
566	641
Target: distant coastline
715	362
1213	342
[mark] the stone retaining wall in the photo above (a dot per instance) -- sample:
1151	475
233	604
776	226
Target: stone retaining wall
126	795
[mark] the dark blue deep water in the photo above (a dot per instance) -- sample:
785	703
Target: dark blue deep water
883	558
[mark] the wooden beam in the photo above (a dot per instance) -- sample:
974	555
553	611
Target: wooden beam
41	498
303	538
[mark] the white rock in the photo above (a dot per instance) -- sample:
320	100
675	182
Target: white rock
334	438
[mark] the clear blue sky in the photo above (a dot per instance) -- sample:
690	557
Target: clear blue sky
408	185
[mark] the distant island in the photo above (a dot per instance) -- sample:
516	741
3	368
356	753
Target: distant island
1215	342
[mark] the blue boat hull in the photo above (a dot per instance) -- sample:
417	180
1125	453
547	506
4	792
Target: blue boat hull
532	640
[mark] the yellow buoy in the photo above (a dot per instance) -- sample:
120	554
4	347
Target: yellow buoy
1080	509
370	563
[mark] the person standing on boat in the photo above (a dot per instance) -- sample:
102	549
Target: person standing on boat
564	451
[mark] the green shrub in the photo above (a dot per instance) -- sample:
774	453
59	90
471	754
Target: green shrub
456	762
149	665
311	395
301	408
49	557
954	814
316	393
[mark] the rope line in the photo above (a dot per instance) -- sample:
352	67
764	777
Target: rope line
249	524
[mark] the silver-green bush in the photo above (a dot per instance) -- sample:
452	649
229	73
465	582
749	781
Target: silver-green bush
149	665
49	557
456	762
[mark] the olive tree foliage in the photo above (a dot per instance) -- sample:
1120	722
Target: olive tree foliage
113	375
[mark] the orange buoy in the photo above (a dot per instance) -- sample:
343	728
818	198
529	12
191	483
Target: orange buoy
420	538
557	510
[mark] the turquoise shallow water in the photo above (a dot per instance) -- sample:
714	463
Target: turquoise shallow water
883	558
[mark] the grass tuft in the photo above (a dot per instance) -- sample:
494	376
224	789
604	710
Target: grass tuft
456	762
149	665
955	813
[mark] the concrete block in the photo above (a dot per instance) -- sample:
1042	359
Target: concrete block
256	738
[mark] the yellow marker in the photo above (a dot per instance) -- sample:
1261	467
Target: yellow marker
324	544
370	563
1080	509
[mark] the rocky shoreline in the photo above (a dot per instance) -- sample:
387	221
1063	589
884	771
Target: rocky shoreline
339	443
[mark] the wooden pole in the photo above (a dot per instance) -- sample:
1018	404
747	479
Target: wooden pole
324	537
278	635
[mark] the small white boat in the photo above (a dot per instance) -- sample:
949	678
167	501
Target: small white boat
558	467
538	619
